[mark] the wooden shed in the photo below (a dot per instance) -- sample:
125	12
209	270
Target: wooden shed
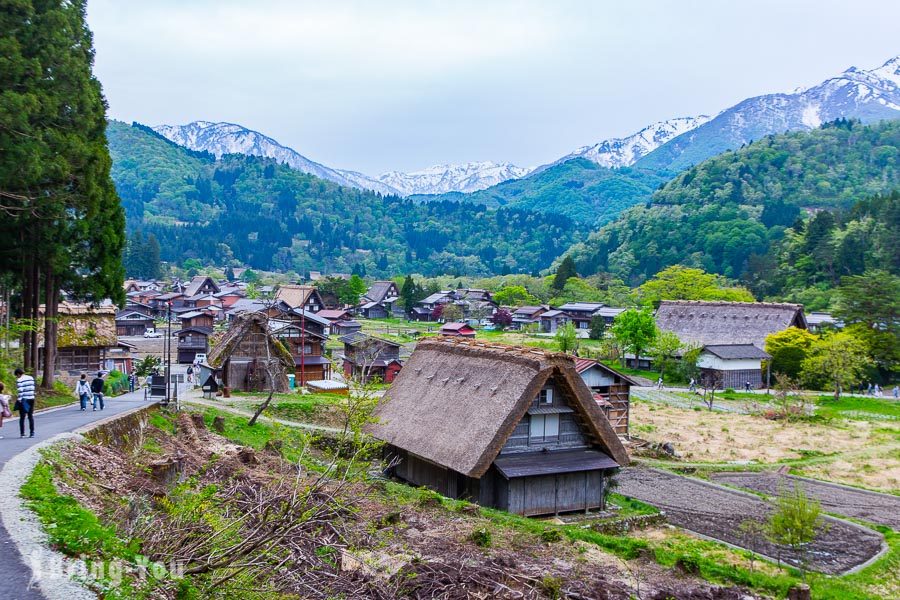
732	365
611	391
245	350
508	427
86	336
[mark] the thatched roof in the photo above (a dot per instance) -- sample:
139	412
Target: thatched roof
721	323
456	402
736	351
244	327
294	295
197	282
83	326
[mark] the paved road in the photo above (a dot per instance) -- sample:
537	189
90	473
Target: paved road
14	574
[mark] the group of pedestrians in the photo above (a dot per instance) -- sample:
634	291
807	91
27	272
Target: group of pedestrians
93	391
25	398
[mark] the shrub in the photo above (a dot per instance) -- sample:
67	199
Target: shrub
481	536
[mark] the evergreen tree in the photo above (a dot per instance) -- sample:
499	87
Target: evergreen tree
229	274
564	272
67	222
408	293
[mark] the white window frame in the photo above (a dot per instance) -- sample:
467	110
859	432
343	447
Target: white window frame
545	396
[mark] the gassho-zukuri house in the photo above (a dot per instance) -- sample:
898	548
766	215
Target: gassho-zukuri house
507	427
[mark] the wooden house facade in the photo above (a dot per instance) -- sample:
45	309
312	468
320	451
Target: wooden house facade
304	337
130	322
457	330
507	427
367	357
732	366
191	342
305	297
611	390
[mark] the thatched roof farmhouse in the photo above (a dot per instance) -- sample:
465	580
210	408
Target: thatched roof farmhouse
511	427
701	323
243	352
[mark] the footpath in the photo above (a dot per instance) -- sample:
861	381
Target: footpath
15	573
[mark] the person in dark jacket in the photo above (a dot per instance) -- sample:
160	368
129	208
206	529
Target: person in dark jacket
97	389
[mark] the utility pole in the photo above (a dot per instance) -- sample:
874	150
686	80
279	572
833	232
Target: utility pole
168	349
303	346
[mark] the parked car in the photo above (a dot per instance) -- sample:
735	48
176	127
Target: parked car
152	333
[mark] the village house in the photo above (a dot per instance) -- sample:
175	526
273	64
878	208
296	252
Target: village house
512	428
528	315
301	296
200	285
424	309
457	330
192	341
229	296
304	336
821	321
197	319
609	314
379	301
345	327
698	323
131	321
249	358
86	338
581	313
367	357
138	285
553	320
273	309
611	391
732	366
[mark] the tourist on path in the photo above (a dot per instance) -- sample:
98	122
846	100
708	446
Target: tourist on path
896	391
659	383
132	382
747	387
190	374
97	390
4	406
693	386
83	391
25	401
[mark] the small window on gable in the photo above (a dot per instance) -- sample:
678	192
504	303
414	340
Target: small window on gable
546	396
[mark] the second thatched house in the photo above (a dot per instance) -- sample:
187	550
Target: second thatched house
698	323
508	427
248	355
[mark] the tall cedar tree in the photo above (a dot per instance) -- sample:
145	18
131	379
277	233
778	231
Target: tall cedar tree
564	272
66	230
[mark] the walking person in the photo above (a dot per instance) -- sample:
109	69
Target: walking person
83	391
4	406
25	401
896	392
190	374
659	383
693	386
97	389
132	382
747	386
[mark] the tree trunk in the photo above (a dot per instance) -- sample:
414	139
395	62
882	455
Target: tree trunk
25	314
35	305
51	307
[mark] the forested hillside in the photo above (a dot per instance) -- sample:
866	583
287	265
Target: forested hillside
250	210
726	214
579	189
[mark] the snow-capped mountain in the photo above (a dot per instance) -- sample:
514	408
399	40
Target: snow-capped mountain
624	152
440	179
228	138
869	96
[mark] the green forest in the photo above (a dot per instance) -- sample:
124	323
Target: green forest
244	210
579	189
742	213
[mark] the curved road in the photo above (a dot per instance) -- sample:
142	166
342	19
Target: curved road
14	573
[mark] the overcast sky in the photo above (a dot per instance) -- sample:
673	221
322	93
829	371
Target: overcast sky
377	85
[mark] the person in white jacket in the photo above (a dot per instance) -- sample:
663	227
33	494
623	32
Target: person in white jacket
4	406
83	391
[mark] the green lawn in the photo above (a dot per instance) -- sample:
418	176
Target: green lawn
857	407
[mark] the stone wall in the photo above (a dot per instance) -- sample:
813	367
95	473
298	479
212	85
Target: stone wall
125	432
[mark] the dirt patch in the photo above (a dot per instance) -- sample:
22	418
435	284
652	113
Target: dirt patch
718	513
357	541
719	437
861	504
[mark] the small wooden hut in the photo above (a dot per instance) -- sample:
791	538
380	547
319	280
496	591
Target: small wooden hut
508	427
611	390
244	352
